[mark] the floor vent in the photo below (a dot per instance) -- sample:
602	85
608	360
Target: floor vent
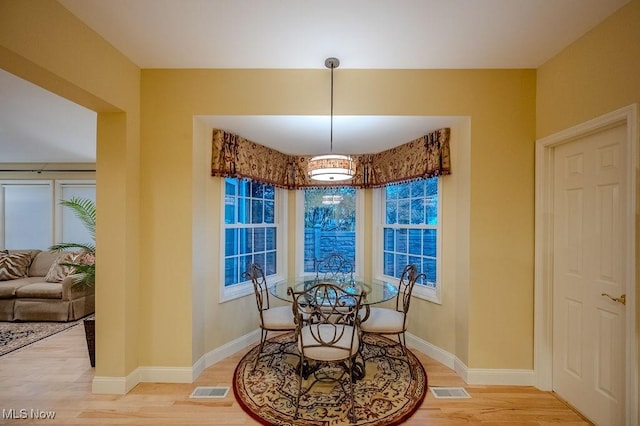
210	392
450	393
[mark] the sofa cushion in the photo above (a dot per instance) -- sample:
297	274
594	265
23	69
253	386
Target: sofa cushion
14	265
40	291
57	272
42	263
8	288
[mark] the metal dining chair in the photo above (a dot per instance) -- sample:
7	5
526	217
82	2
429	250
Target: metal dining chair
334	267
393	321
328	334
272	319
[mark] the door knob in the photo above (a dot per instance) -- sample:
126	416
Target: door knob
622	299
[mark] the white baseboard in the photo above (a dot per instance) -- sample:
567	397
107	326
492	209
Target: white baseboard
472	376
481	376
114	385
122	385
432	351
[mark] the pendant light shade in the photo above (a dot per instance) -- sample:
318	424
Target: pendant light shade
331	167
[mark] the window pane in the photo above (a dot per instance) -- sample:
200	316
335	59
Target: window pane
401	262
270	267
257	190
271	239
259	239
230	242
415	241
391	192
245	261
230	271
329	222
429	268
403	211
244	210
269	192
391	212
27	216
244	187
229	209
256	211
401	240
430	242
269	209
416	260
432	186
431	204
388	264
246	240
417	211
260	260
417	189
388	239
230	186
404	190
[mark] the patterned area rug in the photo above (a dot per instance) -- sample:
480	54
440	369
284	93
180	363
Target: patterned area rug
392	389
16	335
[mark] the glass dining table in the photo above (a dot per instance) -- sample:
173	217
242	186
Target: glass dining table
376	291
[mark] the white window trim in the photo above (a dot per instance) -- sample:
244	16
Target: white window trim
420	291
299	200
246	287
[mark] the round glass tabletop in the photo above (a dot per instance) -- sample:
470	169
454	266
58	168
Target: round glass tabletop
377	291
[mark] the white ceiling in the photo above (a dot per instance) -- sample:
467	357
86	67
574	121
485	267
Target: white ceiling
40	127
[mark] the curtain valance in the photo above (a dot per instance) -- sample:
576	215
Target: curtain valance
235	156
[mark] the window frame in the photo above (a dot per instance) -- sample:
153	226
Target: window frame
245	288
378	220
299	243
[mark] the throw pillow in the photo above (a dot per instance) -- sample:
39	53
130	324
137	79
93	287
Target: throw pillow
58	272
13	266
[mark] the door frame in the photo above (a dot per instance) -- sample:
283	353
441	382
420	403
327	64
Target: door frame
543	281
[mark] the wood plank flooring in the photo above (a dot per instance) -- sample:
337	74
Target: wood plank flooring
54	375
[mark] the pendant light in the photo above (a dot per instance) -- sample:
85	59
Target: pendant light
331	167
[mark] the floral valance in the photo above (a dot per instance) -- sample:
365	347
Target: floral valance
234	156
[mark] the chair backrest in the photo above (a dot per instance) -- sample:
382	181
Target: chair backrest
256	275
327	316
334	267
405	287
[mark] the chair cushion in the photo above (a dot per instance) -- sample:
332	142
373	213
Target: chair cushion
341	349
383	321
278	318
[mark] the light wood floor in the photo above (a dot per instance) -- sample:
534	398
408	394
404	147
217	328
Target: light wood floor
54	375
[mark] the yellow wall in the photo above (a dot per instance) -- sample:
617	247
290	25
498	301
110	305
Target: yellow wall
42	42
158	232
499	160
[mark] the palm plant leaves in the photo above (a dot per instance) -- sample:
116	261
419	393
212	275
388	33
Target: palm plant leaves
85	210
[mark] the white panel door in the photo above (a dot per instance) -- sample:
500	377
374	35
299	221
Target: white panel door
589	255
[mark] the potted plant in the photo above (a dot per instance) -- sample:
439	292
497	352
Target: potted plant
83	265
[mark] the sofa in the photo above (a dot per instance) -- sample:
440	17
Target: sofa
34	286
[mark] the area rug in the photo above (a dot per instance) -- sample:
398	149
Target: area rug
16	335
392	389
